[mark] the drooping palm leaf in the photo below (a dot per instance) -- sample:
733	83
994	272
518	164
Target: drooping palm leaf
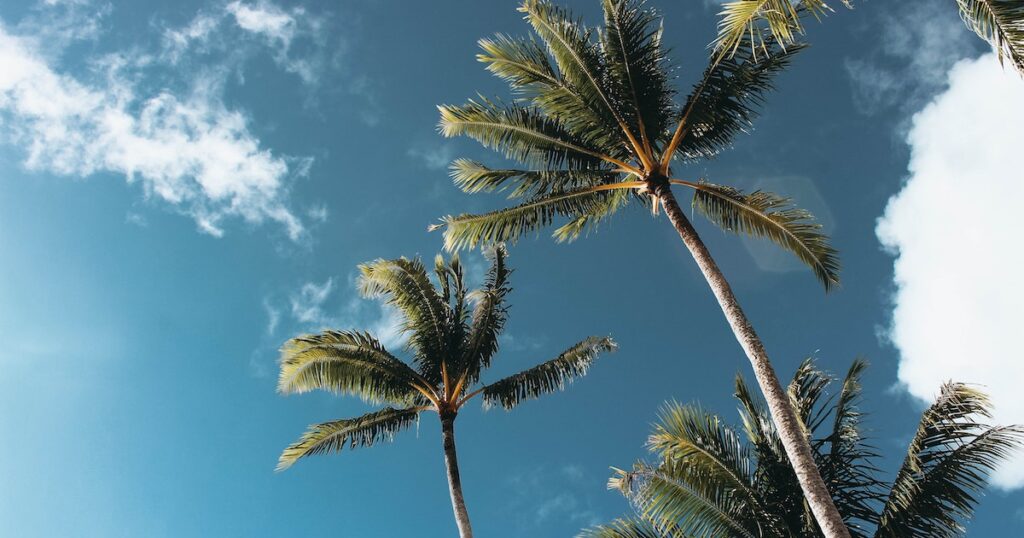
547	377
627	528
346	363
947	466
763	214
1001	23
363	431
679	495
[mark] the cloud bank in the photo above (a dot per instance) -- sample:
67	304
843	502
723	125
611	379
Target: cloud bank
955	229
179	141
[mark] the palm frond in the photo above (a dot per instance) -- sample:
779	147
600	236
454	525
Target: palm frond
763	214
404	284
522	134
806	391
489	316
947	466
508	225
1001	23
726	100
847	466
525	65
627	528
363	431
547	377
579	62
474	177
751	23
637	66
690	436
346	363
680	496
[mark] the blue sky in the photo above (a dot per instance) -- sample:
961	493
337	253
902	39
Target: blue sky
185	185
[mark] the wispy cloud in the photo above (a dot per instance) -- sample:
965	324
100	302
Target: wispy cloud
436	157
917	42
179	141
545	494
954	229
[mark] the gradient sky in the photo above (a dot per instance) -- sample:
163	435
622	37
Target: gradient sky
185	185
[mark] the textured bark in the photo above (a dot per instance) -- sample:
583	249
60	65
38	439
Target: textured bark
451	462
790	430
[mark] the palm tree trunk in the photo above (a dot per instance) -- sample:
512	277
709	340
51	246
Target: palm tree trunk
451	461
790	430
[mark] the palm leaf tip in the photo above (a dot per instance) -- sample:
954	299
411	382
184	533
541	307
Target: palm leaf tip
763	214
547	377
363	431
999	22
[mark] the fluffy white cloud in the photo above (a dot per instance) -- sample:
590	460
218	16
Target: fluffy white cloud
264	18
187	149
955	228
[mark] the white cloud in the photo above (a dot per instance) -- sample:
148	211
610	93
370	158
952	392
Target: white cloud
917	44
307	303
955	228
189	149
310	309
241	28
265	18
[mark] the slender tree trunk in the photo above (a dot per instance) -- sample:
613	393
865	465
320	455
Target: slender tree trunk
451	462
790	430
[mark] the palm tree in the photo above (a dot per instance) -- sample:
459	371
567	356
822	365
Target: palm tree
713	480
451	344
595	126
999	22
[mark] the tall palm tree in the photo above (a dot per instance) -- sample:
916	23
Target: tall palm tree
453	336
999	22
595	125
714	480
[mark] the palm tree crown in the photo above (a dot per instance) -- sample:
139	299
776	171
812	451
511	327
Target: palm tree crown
595	124
453	337
713	480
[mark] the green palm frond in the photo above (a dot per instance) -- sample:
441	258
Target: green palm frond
806	391
522	134
1001	23
637	66
580	64
726	100
404	284
847	466
363	431
763	214
525	65
489	315
947	466
547	377
752	23
508	225
629	528
346	363
693	437
681	496
474	177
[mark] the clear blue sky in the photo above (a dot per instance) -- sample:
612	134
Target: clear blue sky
185	185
